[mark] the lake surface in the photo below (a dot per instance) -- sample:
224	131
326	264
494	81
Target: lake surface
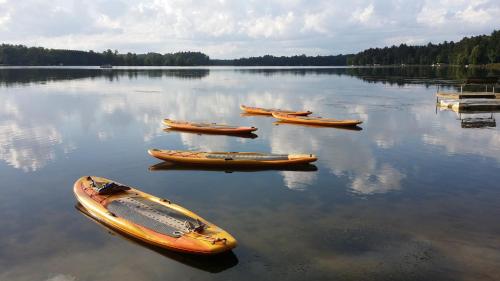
412	196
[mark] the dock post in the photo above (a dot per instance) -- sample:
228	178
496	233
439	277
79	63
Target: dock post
461	87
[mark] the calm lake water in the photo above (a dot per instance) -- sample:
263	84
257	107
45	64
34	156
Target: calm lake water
411	196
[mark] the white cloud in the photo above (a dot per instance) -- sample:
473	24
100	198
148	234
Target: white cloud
315	22
232	29
459	13
4	19
431	16
364	15
475	15
269	26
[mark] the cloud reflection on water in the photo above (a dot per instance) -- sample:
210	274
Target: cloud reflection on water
119	106
25	143
333	234
31	139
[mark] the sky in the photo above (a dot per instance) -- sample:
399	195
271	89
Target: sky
231	29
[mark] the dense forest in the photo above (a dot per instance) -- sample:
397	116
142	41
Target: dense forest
302	60
22	55
475	50
483	49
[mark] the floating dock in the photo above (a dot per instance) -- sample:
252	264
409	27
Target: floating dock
487	84
478	122
468	95
477	105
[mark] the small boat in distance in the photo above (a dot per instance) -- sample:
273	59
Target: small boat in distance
315	120
231	158
269	111
107	66
154	220
212	128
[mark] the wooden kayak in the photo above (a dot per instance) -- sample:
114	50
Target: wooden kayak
231	158
269	111
154	220
315	120
213	128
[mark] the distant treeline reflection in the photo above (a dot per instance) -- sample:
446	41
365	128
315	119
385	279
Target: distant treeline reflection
391	75
420	75
40	75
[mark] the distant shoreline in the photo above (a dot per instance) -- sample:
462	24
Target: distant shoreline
493	66
477	51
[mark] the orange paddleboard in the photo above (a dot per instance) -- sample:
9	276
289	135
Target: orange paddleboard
315	120
153	220
231	158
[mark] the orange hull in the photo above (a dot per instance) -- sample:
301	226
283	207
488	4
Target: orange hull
319	121
236	159
269	111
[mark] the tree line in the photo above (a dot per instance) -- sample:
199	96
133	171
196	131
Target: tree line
22	55
302	60
483	49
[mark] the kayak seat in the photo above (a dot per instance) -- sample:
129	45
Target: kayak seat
111	188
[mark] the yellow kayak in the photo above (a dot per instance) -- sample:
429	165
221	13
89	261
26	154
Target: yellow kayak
154	220
231	158
315	120
269	111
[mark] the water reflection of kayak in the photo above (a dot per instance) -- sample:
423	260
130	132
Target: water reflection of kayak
212	264
169	166
239	135
348	128
269	111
